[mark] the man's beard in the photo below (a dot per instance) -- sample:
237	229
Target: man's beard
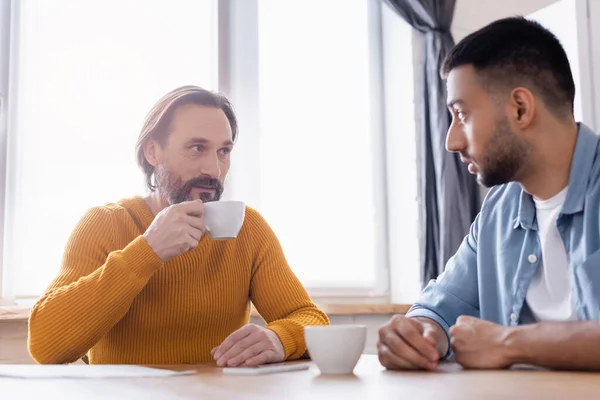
175	191
505	157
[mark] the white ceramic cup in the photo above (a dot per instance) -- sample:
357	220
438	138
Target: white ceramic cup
335	349
224	219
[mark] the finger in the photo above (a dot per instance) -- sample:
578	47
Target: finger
265	357
212	352
456	338
430	335
193	207
453	342
194	221
397	346
239	347
192	243
414	337
390	360
457	348
250	352
194	233
465	320
233	339
453	330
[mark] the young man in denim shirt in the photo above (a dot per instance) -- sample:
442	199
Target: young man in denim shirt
524	286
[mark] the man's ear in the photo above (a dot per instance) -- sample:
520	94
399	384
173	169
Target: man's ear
522	107
151	152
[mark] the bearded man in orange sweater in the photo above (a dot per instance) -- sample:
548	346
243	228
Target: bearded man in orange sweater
142	283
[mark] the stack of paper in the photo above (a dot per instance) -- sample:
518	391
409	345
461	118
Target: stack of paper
84	371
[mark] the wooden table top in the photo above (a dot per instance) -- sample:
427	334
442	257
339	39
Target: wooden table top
370	381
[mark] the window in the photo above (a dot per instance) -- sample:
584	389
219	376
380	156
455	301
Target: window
318	187
323	91
403	73
85	74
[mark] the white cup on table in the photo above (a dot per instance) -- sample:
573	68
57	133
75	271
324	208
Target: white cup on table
335	349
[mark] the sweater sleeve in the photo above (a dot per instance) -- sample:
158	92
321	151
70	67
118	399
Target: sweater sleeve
94	290
277	293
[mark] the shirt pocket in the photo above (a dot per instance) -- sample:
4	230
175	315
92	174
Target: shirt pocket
587	287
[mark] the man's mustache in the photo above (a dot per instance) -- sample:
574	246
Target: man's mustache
202	182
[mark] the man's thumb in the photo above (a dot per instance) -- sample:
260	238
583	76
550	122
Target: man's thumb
429	334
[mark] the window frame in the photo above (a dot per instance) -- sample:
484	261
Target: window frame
8	32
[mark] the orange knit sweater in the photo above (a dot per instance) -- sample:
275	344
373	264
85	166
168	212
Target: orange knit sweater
115	300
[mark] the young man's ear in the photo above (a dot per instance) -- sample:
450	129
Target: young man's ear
522	106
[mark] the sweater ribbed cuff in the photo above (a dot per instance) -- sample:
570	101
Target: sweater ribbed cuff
288	340
141	261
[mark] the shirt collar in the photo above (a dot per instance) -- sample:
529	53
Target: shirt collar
581	167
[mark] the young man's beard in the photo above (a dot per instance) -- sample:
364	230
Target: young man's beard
176	191
507	156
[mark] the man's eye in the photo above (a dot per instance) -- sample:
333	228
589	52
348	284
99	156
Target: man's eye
197	148
224	152
461	115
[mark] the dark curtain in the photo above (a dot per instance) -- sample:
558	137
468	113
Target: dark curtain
449	194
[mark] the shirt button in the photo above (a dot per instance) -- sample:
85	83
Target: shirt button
532	258
513	317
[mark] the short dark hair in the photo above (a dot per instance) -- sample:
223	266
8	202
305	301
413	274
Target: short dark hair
513	52
157	123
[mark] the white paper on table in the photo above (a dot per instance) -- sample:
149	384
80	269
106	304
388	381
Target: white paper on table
267	369
84	371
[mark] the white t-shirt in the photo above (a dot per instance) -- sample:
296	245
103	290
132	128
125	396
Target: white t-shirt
549	294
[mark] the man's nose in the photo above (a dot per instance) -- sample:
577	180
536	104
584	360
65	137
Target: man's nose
211	167
455	138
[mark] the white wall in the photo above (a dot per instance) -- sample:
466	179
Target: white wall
471	15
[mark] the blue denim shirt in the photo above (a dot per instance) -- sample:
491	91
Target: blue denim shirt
489	275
